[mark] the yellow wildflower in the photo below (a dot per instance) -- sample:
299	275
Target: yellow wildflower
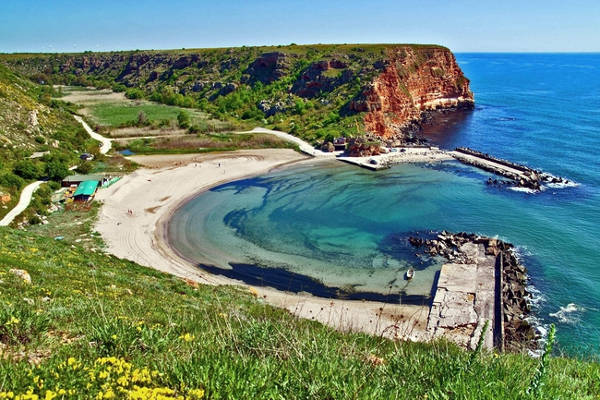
39	382
143	393
195	394
109	394
187	337
50	395
123	381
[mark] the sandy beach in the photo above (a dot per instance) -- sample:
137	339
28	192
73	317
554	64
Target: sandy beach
136	210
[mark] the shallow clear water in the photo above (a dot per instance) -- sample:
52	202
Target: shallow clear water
346	226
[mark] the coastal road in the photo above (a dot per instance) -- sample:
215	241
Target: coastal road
23	203
106	142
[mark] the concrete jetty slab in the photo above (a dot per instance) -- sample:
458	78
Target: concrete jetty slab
397	156
465	298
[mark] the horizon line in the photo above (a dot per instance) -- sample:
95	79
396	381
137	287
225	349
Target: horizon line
305	45
292	44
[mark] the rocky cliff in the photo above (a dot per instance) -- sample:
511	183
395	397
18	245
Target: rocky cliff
314	91
410	85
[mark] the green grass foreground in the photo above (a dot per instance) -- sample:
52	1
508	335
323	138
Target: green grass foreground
94	326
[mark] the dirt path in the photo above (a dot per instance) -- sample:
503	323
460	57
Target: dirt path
23	203
305	147
106	143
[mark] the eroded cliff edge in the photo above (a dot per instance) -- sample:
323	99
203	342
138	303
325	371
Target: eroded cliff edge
314	91
411	84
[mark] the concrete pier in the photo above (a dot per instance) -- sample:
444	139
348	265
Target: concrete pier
465	298
482	281
398	155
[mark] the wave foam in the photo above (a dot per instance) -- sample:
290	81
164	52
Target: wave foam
562	185
570	314
522	189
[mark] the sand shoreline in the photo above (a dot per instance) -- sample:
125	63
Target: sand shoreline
170	181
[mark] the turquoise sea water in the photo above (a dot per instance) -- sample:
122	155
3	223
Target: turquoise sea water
346	226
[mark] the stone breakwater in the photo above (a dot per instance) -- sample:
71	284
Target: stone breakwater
520	175
511	331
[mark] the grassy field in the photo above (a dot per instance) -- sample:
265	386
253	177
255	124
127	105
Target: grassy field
93	326
205	143
113	110
117	114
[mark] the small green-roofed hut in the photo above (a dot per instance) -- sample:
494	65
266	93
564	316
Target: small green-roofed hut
77	179
85	190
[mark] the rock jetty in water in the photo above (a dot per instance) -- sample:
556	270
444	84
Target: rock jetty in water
510	329
519	175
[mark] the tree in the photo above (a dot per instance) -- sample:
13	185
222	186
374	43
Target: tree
183	119
56	170
84	168
27	169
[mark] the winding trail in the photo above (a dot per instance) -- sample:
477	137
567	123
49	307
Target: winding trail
28	191
106	142
23	203
305	147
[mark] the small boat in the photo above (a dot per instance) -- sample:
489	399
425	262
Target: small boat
410	274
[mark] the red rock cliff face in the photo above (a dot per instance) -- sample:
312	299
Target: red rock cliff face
412	81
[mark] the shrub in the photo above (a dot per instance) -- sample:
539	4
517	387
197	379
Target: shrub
35	220
183	120
11	181
56	170
27	169
142	119
119	87
53	185
84	168
134	93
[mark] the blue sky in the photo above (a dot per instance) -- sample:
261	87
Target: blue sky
464	26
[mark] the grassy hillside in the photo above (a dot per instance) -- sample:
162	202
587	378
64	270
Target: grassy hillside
31	120
147	127
306	90
93	326
112	112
